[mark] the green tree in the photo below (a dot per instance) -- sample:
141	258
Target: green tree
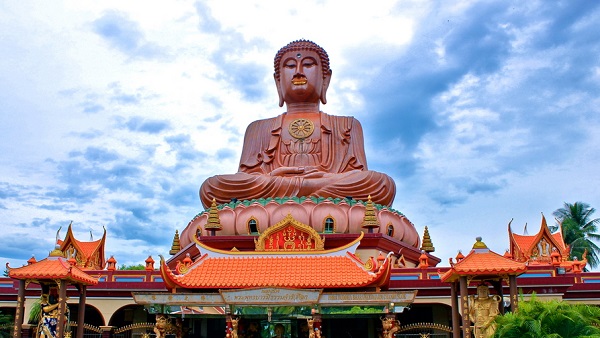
132	267
6	324
554	319
579	230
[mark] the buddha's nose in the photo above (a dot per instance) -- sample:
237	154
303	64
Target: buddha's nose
298	75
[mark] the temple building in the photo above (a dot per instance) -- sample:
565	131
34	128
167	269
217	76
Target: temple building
302	241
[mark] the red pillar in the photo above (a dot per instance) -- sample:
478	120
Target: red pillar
514	296
20	310
81	313
62	309
464	307
455	310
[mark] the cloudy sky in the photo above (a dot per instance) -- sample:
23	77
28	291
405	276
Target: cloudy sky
113	113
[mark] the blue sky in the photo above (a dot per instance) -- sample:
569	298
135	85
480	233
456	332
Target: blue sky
112	114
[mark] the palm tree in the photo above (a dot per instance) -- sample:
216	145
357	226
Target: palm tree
579	230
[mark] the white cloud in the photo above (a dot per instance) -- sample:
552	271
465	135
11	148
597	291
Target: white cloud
490	114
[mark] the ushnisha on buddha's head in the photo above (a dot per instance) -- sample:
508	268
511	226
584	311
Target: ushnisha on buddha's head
302	73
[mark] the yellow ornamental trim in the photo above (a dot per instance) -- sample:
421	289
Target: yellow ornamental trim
296	236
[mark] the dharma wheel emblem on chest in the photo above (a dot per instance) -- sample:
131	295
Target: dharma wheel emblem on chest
301	128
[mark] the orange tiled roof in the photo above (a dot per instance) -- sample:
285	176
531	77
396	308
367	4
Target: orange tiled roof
53	268
483	261
88	248
282	271
524	241
302	265
89	252
559	240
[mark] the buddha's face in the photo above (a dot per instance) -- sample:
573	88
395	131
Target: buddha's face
301	78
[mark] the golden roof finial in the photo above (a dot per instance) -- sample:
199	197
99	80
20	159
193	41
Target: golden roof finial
479	244
176	246
57	252
214	223
370	221
427	245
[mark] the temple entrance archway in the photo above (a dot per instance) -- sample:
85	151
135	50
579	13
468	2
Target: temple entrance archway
130	314
92	314
427	313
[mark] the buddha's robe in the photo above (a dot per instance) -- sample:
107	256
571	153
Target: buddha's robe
334	152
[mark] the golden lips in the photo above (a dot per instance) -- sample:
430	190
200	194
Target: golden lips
299	81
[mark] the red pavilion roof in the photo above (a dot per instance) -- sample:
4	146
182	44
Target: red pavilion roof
52	268
482	261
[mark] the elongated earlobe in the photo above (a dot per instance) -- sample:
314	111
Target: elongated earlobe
326	80
279	91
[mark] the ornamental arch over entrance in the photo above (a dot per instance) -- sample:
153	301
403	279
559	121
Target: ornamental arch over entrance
129	314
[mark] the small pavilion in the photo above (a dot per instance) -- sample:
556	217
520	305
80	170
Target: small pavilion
53	271
480	266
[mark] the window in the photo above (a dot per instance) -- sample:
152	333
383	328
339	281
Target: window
253	226
329	225
390	230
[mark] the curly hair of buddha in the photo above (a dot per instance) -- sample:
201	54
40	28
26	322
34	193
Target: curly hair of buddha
300	45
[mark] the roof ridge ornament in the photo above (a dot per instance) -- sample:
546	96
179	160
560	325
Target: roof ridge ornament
214	223
479	246
370	220
427	245
176	246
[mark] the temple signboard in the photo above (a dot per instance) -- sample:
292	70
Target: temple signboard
271	296
367	298
276	296
201	299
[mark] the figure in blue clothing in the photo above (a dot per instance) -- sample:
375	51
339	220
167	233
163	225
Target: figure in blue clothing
49	320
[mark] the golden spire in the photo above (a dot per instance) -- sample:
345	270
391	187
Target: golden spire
427	245
480	245
57	252
175	247
214	223
370	221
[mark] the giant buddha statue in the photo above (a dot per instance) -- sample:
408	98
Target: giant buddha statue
302	152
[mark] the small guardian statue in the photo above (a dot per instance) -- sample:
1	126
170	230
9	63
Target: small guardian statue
483	310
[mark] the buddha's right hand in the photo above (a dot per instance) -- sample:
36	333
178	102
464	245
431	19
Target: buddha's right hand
306	172
282	171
